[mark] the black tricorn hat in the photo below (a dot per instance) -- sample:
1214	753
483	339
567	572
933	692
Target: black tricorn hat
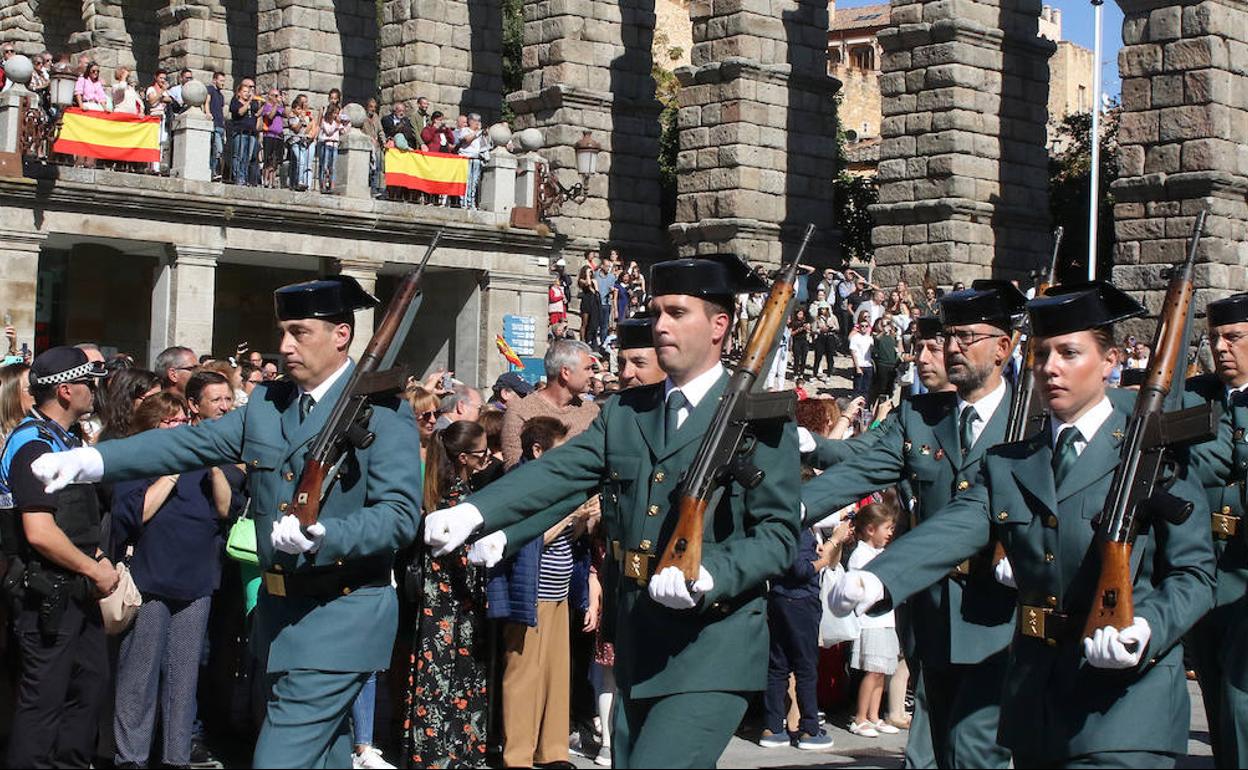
329	297
713	275
987	301
1231	310
1079	306
927	327
635	333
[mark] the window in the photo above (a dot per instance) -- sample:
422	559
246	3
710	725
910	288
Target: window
864	57
1082	106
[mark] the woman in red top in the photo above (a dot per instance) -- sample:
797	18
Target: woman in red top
557	302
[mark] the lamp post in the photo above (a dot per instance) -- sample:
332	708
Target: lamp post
1094	205
551	192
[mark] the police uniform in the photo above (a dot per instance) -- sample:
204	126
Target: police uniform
634	333
1057	709
1219	642
57	624
683	675
960	626
327	618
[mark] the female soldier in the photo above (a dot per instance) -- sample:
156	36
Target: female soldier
1118	698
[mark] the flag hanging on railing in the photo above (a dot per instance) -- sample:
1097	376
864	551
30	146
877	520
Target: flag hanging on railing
429	172
109	136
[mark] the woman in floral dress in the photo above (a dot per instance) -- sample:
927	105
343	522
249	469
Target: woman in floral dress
446	702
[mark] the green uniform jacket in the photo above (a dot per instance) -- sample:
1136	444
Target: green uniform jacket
373	510
751	535
959	621
829	452
1055	705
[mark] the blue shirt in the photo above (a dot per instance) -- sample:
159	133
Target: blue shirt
800	580
177	553
605	284
216	107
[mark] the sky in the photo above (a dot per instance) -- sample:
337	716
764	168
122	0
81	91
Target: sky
1078	27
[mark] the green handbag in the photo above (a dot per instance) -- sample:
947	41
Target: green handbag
240	545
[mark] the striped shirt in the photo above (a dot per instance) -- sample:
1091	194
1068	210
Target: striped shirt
555	573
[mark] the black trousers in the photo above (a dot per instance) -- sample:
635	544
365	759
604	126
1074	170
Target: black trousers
794	626
63	684
801	354
825	347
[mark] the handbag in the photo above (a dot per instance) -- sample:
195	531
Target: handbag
240	544
119	608
834	630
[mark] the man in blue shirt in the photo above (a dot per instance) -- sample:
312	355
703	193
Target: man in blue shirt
216	108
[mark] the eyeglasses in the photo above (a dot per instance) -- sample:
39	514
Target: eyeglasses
432	414
1230	338
966	338
478	452
183	420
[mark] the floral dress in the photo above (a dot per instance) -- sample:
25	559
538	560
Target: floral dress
446	703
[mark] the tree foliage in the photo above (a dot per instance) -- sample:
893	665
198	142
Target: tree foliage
1070	191
513	52
853	196
667	90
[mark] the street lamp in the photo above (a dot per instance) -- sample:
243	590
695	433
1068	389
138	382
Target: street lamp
587	156
62	87
551	192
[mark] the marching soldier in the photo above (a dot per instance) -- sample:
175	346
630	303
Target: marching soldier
963	623
328	614
687	654
1118	698
1219	642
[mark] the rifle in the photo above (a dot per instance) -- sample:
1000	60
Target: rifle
1136	497
1024	406
347	426
723	454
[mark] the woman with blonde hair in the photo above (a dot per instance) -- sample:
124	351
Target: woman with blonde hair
424	405
15	400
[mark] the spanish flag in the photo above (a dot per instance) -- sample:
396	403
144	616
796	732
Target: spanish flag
507	352
430	172
109	136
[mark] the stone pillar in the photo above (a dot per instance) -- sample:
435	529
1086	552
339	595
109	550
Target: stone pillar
183	298
1182	139
503	293
963	168
196	34
498	182
312	46
364	271
526	174
587	68
19	273
192	145
351	173
11	117
450	51
757	155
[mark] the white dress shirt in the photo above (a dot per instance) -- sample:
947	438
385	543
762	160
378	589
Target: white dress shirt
694	391
1088	424
985	408
320	391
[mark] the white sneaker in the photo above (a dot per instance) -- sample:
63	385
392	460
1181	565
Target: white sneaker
885	728
604	757
864	730
370	758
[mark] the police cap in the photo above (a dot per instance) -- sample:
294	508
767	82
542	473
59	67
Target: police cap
1232	310
1077	307
635	333
927	327
330	297
987	301
64	364
714	275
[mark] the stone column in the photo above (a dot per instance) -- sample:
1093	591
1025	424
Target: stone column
587	67
963	168
1181	140
757	155
312	46
498	182
183	298
526	174
192	145
19	274
351	173
364	271
449	51
503	293
11	117
195	34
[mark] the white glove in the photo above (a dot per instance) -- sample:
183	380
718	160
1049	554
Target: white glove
488	551
670	588
58	470
288	536
1004	573
805	441
857	591
1110	648
447	529
827	523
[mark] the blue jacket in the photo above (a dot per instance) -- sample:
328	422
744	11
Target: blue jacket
800	580
511	593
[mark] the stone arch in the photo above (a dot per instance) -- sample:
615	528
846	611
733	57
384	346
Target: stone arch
143	28
63	28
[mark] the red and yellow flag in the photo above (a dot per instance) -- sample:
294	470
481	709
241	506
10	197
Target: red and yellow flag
507	352
430	172
109	136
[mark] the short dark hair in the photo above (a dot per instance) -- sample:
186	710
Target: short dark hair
200	380
215	73
437	114
545	432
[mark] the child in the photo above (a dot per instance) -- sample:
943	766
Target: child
329	135
877	649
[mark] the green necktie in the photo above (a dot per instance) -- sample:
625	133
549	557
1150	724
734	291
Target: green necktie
306	402
675	401
1065	456
966	430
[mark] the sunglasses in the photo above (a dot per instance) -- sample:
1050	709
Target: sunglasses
175	421
432	414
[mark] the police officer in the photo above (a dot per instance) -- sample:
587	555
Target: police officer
59	630
962	624
687	654
1118	698
1219	642
328	614
637	362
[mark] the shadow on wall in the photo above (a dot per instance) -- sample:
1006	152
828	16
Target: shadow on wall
243	30
61	19
144	31
484	93
356	21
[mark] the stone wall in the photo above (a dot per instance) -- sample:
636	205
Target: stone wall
1183	145
859	108
209	35
313	46
1070	83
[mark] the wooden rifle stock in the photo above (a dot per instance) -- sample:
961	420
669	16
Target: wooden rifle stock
684	550
1114	604
307	502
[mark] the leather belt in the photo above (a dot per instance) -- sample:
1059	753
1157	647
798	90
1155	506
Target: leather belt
1225	526
1049	625
635	565
326	582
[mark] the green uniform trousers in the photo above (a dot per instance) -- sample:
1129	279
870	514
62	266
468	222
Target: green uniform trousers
1104	759
307	720
684	730
1226	706
964	710
919	752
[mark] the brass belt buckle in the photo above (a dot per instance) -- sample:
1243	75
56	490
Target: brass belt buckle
637	566
1031	621
275	584
962	569
1224	526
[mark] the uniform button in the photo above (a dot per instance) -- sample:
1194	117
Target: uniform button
659	476
277	568
282	506
1049	557
964	485
255	463
346	591
338	563
615	474
289	476
644	545
1051	601
1226	510
1003	515
1050	521
652	510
